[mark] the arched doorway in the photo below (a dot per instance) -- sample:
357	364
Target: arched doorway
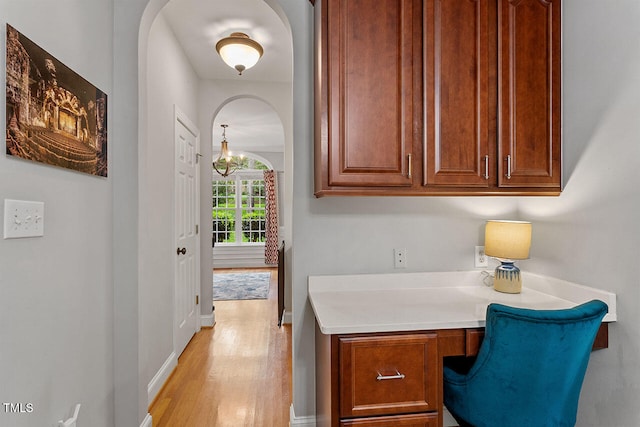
253	127
167	82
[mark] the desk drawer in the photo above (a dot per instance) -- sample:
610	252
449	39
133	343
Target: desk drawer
388	374
416	420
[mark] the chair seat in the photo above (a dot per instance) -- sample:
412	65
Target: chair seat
529	369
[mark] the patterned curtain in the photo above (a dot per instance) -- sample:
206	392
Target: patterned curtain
271	214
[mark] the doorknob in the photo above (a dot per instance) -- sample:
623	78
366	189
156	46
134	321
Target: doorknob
182	251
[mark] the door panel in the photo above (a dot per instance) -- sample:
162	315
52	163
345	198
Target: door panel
457	109
371	75
187	247
529	42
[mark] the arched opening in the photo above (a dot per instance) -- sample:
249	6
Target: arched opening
255	136
170	79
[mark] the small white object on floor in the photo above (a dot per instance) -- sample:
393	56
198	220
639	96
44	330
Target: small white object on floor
71	422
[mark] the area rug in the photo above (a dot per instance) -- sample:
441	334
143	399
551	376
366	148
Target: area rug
239	286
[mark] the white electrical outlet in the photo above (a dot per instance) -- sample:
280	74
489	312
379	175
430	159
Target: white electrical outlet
23	219
481	259
400	257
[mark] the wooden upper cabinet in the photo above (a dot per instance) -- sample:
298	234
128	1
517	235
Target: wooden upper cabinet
459	93
529	110
369	66
438	97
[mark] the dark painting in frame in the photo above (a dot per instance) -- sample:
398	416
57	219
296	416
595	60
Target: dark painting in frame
53	115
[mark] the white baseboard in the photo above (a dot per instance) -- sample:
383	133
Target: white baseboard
287	317
161	377
207	320
147	422
308	421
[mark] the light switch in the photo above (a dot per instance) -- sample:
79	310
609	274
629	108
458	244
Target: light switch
23	219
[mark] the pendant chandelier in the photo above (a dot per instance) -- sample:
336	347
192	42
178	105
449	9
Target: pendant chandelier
239	51
225	165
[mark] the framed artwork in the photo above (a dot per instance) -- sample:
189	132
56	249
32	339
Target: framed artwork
54	116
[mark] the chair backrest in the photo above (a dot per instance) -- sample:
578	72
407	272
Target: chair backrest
534	361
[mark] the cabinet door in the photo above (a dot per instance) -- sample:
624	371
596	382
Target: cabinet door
529	74
371	65
459	102
388	374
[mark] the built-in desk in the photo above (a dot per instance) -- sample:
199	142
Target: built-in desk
381	339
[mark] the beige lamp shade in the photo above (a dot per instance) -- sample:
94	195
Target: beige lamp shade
507	239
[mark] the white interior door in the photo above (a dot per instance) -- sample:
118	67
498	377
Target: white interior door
187	267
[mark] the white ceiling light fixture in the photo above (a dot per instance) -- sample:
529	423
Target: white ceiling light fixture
239	51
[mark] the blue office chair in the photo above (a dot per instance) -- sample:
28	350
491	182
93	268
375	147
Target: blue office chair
529	369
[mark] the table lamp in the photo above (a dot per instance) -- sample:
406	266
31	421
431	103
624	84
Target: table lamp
507	241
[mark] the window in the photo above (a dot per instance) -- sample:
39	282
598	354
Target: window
239	205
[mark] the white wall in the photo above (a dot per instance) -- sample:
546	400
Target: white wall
590	234
56	304
130	390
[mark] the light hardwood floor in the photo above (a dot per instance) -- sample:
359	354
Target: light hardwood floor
237	373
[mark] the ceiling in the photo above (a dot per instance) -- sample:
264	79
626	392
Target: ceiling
253	126
198	25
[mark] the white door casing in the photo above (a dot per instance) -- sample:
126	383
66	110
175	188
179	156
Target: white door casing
186	224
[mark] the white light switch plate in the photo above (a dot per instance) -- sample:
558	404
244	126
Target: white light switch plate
23	219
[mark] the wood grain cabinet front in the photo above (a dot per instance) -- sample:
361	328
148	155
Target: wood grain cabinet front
529	94
438	97
368	92
459	95
383	375
378	379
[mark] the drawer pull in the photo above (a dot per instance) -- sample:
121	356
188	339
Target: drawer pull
397	376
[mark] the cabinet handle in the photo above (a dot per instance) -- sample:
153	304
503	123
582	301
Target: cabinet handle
486	167
508	166
409	169
397	376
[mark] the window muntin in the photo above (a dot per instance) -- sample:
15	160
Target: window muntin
253	211
238	201
224	211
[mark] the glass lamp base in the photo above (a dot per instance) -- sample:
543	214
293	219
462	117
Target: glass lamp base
507	278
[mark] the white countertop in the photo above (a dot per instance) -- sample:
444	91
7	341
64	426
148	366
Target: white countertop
428	301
